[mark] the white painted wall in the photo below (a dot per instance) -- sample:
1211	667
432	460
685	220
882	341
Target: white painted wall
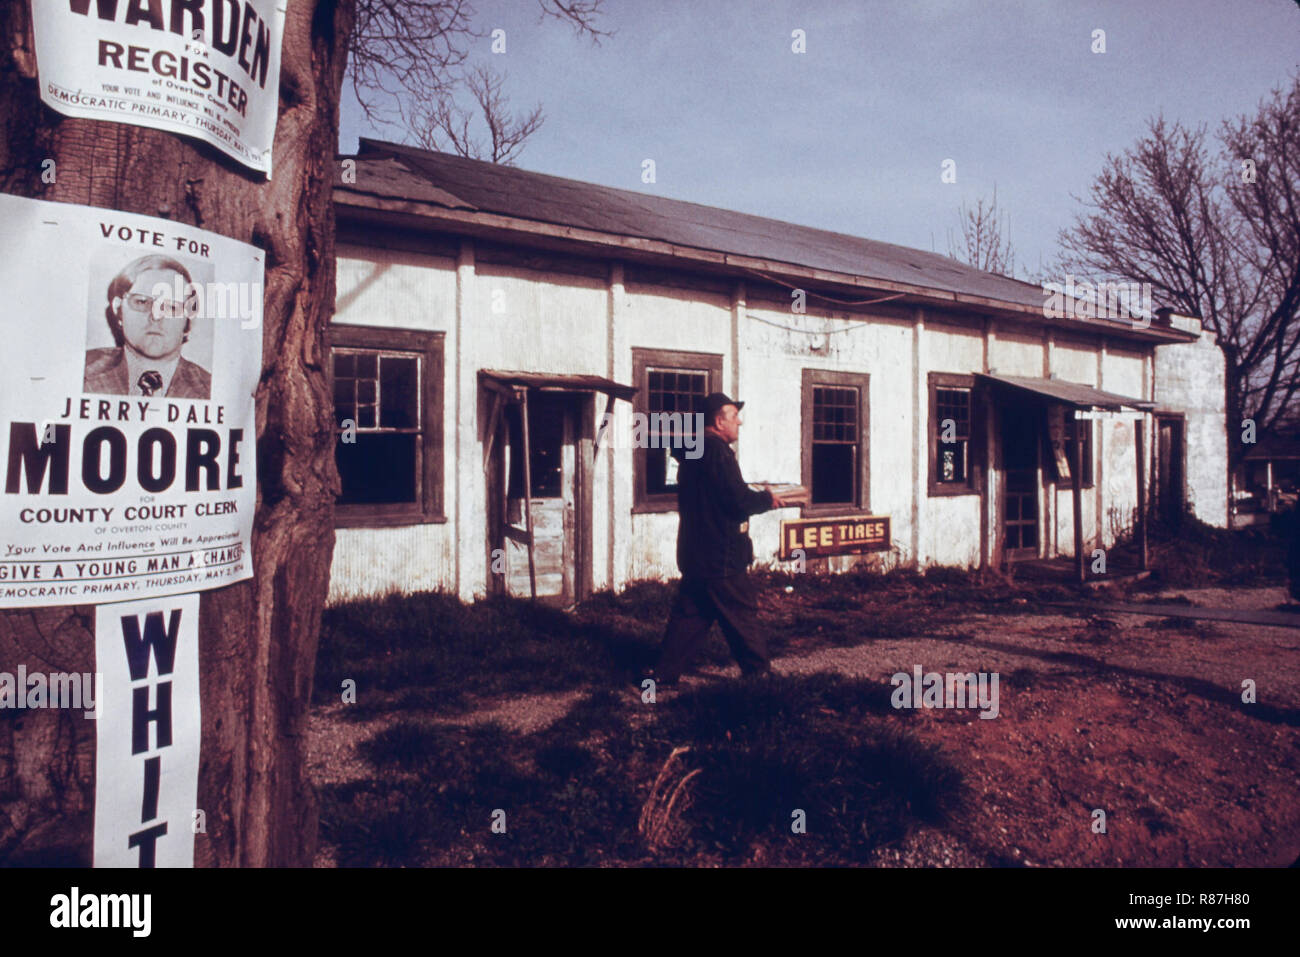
1190	378
776	345
949	525
663	317
403	290
527	320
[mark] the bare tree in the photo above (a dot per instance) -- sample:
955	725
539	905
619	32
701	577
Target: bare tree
443	125
1216	236
408	64
985	238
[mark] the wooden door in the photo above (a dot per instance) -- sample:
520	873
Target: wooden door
552	498
1021	440
1169	470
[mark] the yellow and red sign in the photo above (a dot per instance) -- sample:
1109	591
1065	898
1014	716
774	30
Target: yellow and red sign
839	535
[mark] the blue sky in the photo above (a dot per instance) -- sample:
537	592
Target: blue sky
851	135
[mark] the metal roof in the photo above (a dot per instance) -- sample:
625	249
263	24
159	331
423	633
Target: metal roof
561	382
1071	393
394	172
1275	447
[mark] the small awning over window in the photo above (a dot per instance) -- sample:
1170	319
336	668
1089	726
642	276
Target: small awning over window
1069	393
557	382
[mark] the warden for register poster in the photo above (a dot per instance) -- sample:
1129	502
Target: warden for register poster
204	68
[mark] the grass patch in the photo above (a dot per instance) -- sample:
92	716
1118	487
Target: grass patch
830	747
432	650
573	794
1196	555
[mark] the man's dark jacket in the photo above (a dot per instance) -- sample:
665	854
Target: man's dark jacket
713	501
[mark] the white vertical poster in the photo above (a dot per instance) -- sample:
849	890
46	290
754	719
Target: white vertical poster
205	68
147	740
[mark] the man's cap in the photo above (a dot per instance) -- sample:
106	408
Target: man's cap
714	401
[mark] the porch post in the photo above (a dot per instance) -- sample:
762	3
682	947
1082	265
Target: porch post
1077	495
1139	442
528	491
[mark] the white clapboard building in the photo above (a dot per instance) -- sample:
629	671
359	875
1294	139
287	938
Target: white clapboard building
489	319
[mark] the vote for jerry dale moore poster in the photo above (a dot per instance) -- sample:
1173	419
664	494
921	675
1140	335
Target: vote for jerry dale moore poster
127	375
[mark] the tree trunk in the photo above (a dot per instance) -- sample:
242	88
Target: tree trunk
257	638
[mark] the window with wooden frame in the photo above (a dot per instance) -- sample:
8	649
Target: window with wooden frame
671	388
953	430
388	406
1075	427
835	429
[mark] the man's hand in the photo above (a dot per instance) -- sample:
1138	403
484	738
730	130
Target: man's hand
776	500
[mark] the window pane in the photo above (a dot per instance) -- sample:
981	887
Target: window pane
368	365
676	392
834	476
379	468
952	461
343	393
835	414
656	471
345	364
399	395
546	442
954	405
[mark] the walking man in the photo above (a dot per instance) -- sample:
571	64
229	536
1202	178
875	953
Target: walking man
714	550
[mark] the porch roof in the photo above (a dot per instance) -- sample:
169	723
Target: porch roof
559	382
1071	393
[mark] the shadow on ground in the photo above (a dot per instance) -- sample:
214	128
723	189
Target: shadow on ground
761	755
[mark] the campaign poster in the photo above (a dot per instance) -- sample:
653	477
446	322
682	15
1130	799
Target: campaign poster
148	732
203	68
131	355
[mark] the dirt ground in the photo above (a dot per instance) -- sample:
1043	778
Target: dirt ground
1138	717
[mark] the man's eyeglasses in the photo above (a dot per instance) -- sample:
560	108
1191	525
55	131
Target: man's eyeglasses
158	307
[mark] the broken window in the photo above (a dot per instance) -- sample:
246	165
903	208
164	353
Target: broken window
387	467
380	393
952	409
952	434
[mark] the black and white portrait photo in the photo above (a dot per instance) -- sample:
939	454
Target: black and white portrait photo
161	346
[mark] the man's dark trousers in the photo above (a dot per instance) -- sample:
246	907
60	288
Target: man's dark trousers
732	601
